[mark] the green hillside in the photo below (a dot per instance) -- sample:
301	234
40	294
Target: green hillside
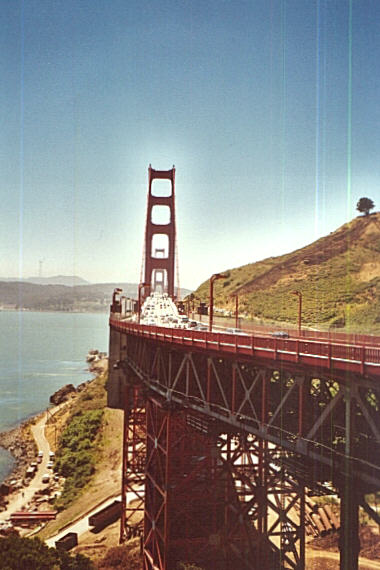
338	276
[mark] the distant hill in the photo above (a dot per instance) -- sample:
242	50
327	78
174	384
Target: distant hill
68	280
36	297
338	276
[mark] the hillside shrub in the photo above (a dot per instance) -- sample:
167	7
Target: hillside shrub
75	455
120	558
338	322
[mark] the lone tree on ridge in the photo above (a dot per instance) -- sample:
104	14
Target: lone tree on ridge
365	205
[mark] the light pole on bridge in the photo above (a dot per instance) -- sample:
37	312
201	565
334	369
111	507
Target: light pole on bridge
211	314
141	286
115	293
299	295
236	309
190	299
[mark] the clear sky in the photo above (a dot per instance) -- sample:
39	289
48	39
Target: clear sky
269	109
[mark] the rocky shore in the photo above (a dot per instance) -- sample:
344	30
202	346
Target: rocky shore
20	443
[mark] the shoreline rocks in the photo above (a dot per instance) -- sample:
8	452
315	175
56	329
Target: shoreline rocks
20	443
63	394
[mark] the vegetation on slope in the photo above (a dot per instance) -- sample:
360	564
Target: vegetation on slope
75	456
33	554
79	441
123	557
338	276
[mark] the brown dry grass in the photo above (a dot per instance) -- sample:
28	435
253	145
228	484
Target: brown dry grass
319	560
369	271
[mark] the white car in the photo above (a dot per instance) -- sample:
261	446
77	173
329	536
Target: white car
237	331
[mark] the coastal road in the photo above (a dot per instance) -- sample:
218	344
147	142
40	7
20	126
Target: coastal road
22	497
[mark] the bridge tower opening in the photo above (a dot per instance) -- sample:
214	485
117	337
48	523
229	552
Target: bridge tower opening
160	233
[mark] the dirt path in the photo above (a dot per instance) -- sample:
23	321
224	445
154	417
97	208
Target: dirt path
313	555
22	497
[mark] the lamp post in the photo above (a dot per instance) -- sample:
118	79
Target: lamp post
211	315
200	309
114	294
141	286
236	309
299	295
115	305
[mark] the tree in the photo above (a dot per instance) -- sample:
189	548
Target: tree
33	554
365	205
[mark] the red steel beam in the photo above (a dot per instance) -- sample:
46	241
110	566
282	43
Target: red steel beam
313	354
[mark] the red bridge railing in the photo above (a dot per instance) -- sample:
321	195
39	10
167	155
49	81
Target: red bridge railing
317	354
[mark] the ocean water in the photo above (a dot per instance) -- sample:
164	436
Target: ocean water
39	353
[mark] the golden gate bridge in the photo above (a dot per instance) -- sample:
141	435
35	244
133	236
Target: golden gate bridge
226	435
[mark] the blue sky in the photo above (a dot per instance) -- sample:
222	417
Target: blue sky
268	109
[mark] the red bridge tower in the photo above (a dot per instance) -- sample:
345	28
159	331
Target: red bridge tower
160	237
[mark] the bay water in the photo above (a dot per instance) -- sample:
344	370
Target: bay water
40	353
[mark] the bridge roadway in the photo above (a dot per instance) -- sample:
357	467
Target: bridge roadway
315	403
356	339
336	357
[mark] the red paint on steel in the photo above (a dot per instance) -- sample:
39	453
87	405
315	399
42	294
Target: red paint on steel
133	464
167	263
301	405
307	353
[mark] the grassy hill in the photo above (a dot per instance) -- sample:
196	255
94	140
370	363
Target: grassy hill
338	276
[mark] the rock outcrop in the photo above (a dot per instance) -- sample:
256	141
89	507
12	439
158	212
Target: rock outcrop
62	395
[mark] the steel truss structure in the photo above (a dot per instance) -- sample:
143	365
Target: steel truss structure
133	464
222	500
231	444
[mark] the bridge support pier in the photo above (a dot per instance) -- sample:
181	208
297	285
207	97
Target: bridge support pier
349	543
349	506
193	510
